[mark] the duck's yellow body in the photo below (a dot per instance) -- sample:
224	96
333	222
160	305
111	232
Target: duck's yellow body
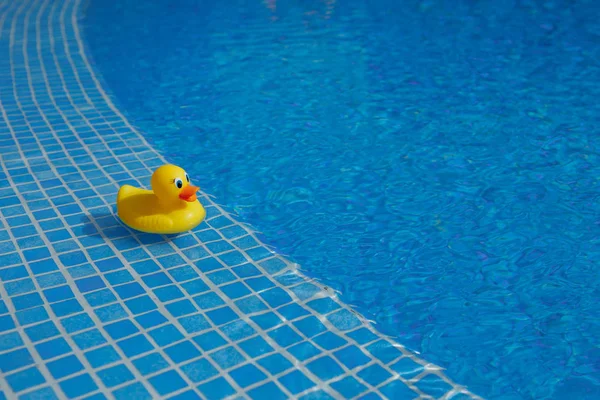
170	207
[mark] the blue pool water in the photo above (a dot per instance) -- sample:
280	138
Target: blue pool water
434	161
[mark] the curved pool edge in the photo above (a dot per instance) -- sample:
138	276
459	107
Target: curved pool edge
70	271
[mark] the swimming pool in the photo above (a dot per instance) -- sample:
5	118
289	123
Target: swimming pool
91	309
435	162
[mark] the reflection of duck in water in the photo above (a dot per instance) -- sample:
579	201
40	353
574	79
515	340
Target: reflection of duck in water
170	207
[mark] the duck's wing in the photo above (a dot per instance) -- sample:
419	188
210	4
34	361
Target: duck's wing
127	191
155	223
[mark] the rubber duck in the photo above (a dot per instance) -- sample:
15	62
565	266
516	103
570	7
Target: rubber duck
170	207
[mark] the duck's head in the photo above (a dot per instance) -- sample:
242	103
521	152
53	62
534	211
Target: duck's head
171	184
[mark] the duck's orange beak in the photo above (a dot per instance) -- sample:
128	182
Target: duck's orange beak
188	193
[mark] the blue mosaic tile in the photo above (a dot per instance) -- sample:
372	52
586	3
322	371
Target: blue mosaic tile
89	339
187	395
222	315
275	363
65	366
168	293
374	375
325	368
255	347
150	363
398	390
135	345
246	271
78	385
115	375
285	336
227	357
194	323
276	297
9	341
42	331
323	306
433	385
102	356
296	382
267	391
235	290
180	308
199	370
407	368
384	351
19	287
53	348
46	393
349	387
167	382
371	396
15	359
209	341
89	284
49	280
25	379
351	357
120	329
259	284
195	286
181	352
316	395
166	335
251	305
310	326
247	375
303	351
10	259
329	341
208	264
216	389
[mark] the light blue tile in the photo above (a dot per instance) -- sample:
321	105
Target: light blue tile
325	368
267	391
167	382
256	347
296	382
227	357
115	375
15	359
199	370
216	389
150	363
64	366
78	385
182	352
209	341
247	375
10	341
374	375
25	379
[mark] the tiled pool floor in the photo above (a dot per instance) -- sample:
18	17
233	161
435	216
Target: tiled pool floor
90	309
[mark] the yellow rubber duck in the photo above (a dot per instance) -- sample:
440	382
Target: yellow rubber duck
170	207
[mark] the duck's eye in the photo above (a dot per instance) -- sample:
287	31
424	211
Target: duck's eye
179	183
187	177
